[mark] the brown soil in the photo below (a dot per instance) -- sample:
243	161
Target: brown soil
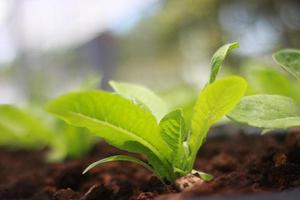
240	164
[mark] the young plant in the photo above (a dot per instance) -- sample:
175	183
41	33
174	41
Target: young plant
137	120
20	129
33	128
272	111
25	129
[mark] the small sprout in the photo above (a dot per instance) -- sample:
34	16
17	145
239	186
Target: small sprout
218	59
137	120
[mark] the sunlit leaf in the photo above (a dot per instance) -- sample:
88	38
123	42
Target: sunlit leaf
117	120
214	102
218	59
143	95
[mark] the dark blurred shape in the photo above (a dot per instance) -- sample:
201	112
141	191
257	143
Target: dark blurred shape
101	53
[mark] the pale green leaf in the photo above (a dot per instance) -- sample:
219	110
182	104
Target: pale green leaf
143	95
267	111
117	120
118	158
20	128
289	59
214	102
218	59
173	132
264	80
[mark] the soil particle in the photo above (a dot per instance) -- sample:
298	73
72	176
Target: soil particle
240	164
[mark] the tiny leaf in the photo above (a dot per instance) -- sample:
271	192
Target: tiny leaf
143	95
289	59
173	132
204	176
267	111
218	59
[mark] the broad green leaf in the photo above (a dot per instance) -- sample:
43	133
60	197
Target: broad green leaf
289	59
264	80
214	102
20	128
118	158
267	111
218	59
173	132
143	95
117	120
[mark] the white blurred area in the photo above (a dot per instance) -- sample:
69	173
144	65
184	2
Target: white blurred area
48	47
49	24
31	28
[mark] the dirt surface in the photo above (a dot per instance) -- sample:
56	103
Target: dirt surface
240	164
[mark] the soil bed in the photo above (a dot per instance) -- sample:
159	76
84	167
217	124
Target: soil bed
241	164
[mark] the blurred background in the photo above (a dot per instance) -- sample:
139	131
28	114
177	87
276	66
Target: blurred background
48	47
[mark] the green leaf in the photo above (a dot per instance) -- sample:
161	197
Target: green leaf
218	59
266	80
143	95
289	59
21	129
267	111
214	102
173	132
119	121
118	158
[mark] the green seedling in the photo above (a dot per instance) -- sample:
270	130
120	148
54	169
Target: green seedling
20	129
25	129
33	128
272	111
136	120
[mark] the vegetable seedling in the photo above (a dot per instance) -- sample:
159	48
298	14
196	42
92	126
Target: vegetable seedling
33	128
135	119
272	111
21	129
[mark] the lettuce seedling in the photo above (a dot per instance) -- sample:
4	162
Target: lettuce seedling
272	111
20	129
136	120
